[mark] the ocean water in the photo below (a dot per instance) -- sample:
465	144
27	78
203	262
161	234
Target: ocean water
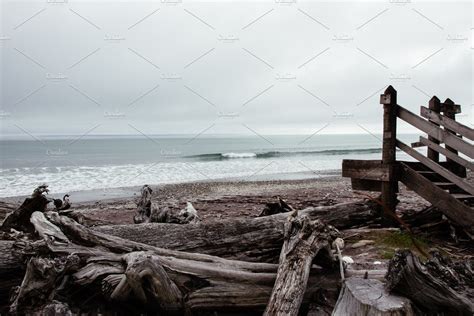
96	162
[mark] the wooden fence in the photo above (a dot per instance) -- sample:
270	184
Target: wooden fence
442	183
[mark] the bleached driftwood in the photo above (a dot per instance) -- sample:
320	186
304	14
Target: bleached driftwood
247	239
149	212
303	240
167	280
366	297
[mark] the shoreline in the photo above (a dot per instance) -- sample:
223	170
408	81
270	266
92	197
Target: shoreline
82	196
217	200
223	198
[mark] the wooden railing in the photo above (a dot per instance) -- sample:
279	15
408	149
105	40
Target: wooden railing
438	121
445	137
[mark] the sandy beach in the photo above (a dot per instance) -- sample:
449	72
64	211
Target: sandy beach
216	200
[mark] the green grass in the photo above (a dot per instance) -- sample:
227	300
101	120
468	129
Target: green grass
389	242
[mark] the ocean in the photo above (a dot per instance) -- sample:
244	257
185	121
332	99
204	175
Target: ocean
71	164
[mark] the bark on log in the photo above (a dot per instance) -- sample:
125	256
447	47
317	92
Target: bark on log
304	239
366	297
437	286
161	279
247	239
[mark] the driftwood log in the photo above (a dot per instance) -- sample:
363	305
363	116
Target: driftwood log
303	240
19	219
79	260
144	206
438	286
150	212
369	297
279	206
247	239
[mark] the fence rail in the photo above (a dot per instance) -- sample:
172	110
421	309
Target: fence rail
443	183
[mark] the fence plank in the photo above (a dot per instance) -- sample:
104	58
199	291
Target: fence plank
436	132
463	162
463	184
434	105
455	210
365	169
459	128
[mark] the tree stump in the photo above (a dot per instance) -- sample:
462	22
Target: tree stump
368	297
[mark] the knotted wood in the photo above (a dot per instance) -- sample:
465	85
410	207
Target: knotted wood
436	286
303	240
141	276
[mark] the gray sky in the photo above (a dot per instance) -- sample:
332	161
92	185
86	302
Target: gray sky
274	67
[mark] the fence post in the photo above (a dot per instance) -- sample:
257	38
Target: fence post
435	106
450	112
389	188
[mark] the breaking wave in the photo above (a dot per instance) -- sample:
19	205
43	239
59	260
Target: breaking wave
275	154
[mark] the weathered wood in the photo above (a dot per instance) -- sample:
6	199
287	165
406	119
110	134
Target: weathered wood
436	132
452	165
248	239
462	183
304	239
366	185
447	122
366	297
279	206
458	212
435	107
149	211
437	286
463	162
455	108
143	206
171	280
40	282
20	218
12	268
389	191
366	169
417	145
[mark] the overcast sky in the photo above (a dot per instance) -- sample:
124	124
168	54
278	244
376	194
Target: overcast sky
274	67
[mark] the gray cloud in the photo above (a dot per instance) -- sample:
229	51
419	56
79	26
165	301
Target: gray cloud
170	68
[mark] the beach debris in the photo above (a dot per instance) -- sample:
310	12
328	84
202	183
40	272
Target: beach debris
362	243
253	239
70	261
304	239
189	214
118	273
437	286
62	205
338	243
143	206
347	260
150	212
369	297
19	219
272	208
